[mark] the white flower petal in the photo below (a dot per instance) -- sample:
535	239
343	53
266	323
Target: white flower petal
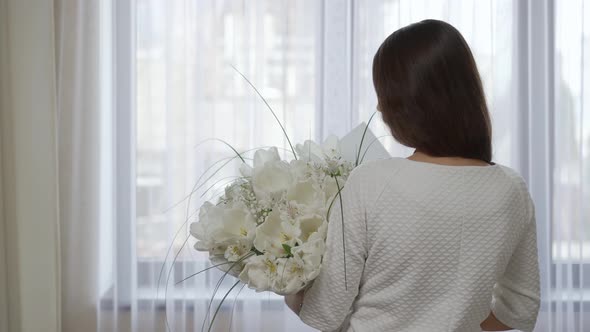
331	147
271	179
310	151
309	225
306	193
262	156
273	233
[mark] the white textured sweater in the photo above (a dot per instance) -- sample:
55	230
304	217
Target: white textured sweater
428	248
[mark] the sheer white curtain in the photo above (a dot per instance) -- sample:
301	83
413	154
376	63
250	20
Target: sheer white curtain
79	101
570	222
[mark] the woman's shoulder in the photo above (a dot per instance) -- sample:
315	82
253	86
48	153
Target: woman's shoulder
520	185
380	169
371	175
517	180
379	164
512	174
375	169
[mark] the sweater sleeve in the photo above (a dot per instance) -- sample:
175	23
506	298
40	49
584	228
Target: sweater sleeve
516	295
328	302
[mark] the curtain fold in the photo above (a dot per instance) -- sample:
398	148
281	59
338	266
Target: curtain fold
77	42
4	314
570	165
29	166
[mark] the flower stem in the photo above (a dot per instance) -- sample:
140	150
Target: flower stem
269	108
343	237
356	163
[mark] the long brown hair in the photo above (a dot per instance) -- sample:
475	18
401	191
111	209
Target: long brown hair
430	93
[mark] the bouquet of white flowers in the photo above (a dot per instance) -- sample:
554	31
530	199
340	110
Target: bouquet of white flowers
269	227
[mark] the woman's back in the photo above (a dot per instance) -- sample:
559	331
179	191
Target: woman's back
425	246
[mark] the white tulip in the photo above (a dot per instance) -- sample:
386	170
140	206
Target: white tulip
235	251
207	228
262	156
300	169
259	272
223	225
238	224
306	193
273	233
310	224
271	180
278	211
290	277
310	151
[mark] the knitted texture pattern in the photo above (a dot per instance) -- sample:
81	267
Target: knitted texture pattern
428	248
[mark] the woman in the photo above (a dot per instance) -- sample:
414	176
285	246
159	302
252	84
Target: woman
444	240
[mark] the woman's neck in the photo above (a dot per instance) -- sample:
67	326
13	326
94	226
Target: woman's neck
451	161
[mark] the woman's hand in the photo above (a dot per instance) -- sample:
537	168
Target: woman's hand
493	324
295	301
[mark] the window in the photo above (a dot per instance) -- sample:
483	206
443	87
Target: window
311	60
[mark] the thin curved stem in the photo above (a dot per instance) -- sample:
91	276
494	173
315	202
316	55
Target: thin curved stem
220	303
168	279
231	316
269	108
363	138
197	273
343	237
373	141
219	284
